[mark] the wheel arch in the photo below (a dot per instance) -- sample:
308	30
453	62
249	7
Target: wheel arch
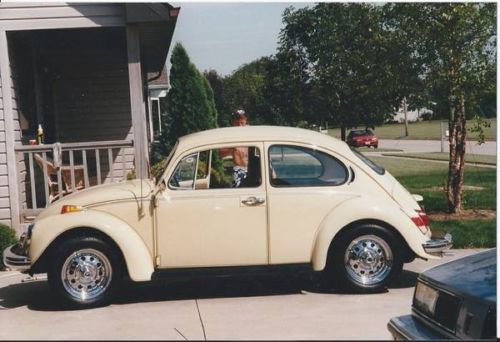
53	230
407	253
342	219
41	264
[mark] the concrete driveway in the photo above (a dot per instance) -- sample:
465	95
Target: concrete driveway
249	309
489	147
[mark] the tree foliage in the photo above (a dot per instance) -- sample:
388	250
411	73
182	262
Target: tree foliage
454	46
189	104
217	84
347	61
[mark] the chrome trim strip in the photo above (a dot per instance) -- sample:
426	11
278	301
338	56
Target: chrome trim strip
14	261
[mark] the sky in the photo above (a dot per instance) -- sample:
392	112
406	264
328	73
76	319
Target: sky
223	36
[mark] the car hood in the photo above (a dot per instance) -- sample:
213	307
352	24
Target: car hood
474	275
102	194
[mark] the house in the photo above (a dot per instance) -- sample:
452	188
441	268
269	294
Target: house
412	115
90	75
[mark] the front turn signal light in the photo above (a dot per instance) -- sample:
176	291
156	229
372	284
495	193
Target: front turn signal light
68	208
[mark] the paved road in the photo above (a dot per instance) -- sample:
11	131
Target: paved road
489	147
217	309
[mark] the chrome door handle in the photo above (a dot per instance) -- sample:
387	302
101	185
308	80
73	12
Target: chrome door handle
253	200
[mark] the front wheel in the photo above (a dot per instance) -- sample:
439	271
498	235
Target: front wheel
364	259
85	272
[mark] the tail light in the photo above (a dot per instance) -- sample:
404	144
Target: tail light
422	221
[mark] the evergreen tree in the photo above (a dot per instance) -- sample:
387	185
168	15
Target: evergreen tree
189	104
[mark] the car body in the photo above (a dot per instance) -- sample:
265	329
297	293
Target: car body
362	138
308	202
456	300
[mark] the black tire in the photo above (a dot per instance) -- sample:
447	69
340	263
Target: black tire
89	264
375	259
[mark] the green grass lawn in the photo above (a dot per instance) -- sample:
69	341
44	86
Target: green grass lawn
469	158
470	233
423	130
428	179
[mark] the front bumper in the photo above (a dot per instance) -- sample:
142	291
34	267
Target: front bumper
438	246
363	143
410	328
16	257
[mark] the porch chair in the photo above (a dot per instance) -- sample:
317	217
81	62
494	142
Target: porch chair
52	179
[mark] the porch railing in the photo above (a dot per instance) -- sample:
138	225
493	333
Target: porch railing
64	168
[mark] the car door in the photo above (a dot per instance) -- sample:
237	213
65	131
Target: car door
304	185
203	220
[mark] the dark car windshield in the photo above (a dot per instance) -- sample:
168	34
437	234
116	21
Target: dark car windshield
359	133
377	168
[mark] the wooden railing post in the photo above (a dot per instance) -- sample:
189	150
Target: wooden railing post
137	104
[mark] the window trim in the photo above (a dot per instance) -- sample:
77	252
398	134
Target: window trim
313	148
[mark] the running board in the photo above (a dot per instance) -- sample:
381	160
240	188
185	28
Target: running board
231	271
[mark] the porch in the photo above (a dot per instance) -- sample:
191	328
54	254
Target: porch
85	83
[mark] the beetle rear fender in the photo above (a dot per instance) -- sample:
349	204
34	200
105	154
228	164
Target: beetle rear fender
363	209
138	258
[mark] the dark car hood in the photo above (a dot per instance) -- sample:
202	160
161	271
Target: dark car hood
474	275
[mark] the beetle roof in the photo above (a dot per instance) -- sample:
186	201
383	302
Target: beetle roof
260	133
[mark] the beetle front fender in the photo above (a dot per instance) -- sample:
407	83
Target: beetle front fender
138	258
349	212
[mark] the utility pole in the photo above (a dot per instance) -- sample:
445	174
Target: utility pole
442	135
405	111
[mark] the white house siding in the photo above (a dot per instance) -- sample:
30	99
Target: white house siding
17	130
31	16
4	188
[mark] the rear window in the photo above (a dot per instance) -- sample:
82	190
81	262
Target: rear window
377	168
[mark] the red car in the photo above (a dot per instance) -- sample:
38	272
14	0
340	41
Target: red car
359	138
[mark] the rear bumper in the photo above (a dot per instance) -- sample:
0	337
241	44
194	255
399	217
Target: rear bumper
438	246
409	328
14	259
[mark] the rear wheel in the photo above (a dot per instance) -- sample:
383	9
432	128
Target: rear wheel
364	259
85	272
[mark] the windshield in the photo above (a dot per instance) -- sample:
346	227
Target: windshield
360	133
159	174
377	168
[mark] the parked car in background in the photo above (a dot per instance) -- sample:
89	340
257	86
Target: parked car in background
360	138
456	300
304	202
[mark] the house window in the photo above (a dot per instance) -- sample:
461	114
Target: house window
154	119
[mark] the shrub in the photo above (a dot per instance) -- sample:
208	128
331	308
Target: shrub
7	238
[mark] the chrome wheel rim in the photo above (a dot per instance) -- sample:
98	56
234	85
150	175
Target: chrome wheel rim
368	260
86	274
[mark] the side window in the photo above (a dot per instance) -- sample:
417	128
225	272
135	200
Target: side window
234	167
300	166
183	177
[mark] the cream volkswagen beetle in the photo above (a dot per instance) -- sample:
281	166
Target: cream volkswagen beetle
300	201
